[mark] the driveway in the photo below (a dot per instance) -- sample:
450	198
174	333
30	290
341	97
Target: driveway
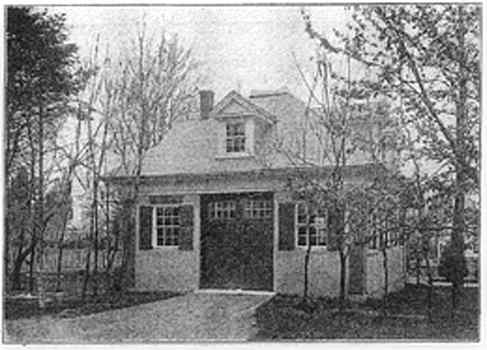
191	317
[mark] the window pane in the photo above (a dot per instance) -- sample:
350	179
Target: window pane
312	240
302	233
312	235
160	236
321	237
301	213
235	139
220	210
167	225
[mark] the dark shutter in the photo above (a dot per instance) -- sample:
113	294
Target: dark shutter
336	229
286	226
186	219
145	227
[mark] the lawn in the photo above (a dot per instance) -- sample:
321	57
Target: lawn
283	318
24	308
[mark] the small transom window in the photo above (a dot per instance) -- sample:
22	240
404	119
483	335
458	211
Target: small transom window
258	209
235	137
167	226
221	210
313	234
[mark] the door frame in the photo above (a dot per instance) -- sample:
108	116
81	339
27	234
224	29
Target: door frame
274	235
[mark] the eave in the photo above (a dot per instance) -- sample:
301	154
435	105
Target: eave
363	172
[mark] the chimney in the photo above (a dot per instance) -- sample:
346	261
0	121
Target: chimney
206	103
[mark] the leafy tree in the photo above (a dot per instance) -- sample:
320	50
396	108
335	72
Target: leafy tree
18	209
41	81
347	125
428	58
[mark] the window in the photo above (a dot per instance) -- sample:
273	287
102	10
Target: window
167	226
258	209
221	210
235	141
313	234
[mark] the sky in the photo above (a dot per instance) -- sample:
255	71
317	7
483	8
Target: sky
240	47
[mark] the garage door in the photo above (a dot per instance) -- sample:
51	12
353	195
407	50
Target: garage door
237	241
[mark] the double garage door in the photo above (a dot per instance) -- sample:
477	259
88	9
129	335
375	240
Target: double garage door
237	241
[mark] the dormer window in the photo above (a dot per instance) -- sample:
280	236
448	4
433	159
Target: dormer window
235	137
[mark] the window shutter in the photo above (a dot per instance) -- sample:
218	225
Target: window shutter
186	218
145	227
286	226
335	227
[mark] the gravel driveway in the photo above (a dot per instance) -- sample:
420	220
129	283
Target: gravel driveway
185	318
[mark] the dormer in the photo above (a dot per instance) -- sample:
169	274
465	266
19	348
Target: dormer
239	124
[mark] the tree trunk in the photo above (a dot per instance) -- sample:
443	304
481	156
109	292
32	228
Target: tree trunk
60	253
95	224
430	290
418	270
343	272
15	277
31	209
453	300
6	253
18	262
31	268
86	277
306	271
385	266
40	216
457	235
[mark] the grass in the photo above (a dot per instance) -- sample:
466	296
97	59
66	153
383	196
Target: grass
283	318
25	308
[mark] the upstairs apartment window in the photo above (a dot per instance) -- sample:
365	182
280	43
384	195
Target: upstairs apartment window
167	225
235	141
313	234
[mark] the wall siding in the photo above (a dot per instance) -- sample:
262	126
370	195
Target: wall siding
324	267
375	271
324	272
170	268
174	269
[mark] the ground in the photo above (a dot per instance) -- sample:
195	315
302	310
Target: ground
234	317
188	317
21	307
283	318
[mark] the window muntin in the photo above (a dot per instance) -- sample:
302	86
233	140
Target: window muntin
167	226
383	233
314	234
258	209
221	210
235	137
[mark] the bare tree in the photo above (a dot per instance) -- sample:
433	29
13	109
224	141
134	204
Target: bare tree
156	85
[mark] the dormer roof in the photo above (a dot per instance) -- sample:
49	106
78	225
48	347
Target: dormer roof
235	105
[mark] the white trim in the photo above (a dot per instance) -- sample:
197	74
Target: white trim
137	229
223	116
200	192
233	155
275	235
234	291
